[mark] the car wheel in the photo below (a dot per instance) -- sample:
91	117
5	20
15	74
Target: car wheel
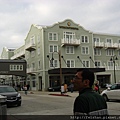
105	97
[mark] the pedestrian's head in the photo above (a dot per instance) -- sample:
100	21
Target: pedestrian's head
83	78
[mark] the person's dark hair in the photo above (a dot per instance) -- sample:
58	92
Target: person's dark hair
87	74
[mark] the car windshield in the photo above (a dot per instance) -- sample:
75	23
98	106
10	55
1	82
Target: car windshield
113	87
7	89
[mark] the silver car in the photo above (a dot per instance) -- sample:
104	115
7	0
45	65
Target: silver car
112	93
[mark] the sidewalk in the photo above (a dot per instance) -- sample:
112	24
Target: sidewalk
68	94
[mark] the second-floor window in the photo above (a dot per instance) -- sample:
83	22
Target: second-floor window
70	63
109	52
97	51
52	36
85	50
33	54
110	64
27	55
53	63
86	63
69	49
97	63
53	48
33	66
118	52
85	39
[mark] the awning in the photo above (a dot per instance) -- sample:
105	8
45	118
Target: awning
72	70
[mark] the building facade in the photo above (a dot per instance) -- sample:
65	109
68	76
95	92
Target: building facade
53	53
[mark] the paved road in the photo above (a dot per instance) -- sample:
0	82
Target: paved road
41	103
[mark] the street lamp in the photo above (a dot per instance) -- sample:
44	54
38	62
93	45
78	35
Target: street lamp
81	61
113	59
93	62
59	53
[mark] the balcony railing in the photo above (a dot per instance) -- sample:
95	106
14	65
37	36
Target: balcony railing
99	44
30	46
75	42
31	70
20	54
118	45
111	45
112	67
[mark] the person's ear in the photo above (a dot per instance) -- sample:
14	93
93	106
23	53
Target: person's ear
86	82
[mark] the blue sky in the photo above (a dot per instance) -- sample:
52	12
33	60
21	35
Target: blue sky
16	17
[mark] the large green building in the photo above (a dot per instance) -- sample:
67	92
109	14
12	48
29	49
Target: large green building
53	53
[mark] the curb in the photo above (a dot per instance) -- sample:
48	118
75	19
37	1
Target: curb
60	95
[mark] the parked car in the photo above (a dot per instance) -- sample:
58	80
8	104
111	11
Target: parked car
106	85
112	93
13	97
55	88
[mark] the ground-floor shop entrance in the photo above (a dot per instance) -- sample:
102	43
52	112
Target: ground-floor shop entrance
67	75
103	79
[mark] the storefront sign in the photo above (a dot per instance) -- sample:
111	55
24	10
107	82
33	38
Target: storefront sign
66	27
3	72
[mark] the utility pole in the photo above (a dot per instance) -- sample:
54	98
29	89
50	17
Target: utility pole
113	59
60	67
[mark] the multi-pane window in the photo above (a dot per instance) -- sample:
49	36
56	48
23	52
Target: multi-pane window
53	63
33	66
70	63
119	41
86	63
97	51
33	54
85	39
16	67
53	48
27	55
108	40
69	36
52	36
110	65
109	52
38	38
85	50
32	40
69	49
118	52
38	64
96	40
38	50
97	63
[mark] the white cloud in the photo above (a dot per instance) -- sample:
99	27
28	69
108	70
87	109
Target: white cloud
16	16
